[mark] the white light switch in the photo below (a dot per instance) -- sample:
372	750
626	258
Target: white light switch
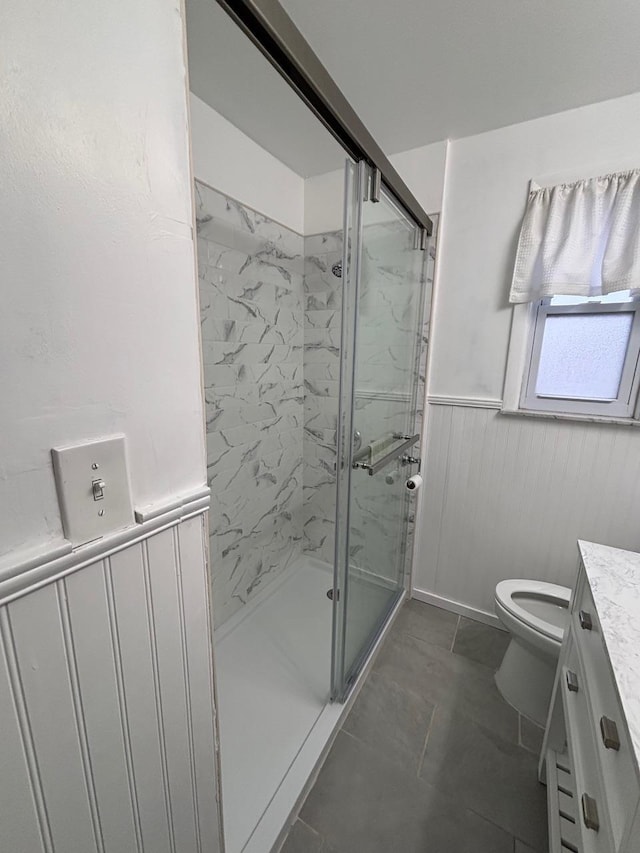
93	488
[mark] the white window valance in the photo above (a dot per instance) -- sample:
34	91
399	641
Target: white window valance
580	239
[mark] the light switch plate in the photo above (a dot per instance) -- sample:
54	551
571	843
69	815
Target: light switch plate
93	488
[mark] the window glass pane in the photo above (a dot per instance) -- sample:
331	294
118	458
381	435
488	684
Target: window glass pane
583	355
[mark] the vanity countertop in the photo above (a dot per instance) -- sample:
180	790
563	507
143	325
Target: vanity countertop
614	578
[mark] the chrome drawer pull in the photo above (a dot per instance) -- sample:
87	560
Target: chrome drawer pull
572	681
609	731
590	812
585	620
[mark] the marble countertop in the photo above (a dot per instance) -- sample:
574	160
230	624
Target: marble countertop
614	578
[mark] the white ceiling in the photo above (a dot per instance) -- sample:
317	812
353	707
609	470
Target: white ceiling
419	72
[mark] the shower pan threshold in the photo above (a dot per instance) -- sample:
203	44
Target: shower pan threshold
276	721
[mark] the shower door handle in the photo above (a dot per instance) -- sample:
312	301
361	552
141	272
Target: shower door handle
395	453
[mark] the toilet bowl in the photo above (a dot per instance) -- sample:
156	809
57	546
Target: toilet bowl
535	614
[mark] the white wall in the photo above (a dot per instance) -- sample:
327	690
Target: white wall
232	163
422	169
508	496
115	751
486	189
229	161
99	324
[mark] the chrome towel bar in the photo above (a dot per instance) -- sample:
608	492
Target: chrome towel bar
399	450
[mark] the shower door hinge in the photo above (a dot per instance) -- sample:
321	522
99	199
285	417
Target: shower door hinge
376	184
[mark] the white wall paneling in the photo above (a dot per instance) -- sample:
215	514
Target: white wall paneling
507	497
106	696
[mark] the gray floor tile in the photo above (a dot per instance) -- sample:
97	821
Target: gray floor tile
302	839
362	802
521	847
488	774
531	735
481	643
447	679
428	623
391	718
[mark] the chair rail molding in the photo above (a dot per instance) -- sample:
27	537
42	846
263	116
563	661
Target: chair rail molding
38	567
470	402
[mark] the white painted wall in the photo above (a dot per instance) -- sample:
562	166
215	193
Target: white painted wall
486	189
422	169
99	323
226	159
229	161
509	496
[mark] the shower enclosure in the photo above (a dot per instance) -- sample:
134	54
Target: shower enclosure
311	362
313	349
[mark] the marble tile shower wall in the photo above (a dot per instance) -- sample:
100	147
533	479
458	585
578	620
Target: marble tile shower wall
271	323
322	329
252	319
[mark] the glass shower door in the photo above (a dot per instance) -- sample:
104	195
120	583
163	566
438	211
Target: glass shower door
382	321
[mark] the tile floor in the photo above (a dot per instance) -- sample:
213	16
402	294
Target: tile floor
430	759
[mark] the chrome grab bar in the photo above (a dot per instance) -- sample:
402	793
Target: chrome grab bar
383	461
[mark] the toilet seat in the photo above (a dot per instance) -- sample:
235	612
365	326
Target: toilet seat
508	591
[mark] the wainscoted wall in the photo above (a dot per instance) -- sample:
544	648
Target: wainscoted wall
106	701
251	300
323	305
508	496
519	491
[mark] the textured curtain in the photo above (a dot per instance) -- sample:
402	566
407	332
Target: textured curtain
580	239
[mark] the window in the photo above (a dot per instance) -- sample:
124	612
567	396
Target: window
583	356
575	334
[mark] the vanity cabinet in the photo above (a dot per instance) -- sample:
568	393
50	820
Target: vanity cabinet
591	750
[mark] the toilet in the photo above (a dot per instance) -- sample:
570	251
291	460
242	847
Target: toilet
535	614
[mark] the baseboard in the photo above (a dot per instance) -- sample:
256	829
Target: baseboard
457	607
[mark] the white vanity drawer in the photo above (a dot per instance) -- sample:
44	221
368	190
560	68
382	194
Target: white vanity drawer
583	756
617	766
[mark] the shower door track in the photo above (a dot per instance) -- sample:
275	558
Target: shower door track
274	33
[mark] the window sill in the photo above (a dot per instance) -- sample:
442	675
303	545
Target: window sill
565	416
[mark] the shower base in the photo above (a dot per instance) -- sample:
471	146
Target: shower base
276	721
